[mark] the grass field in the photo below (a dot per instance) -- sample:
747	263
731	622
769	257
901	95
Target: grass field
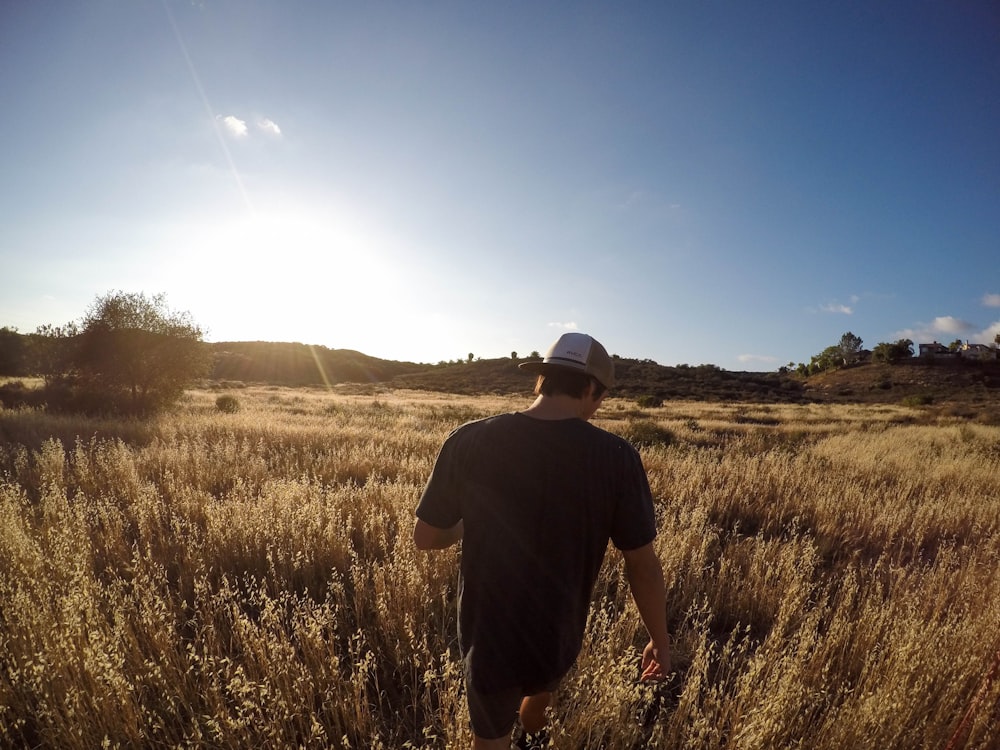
247	580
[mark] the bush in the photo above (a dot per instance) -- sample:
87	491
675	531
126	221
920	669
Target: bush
920	400
132	356
649	401
227	404
646	432
14	394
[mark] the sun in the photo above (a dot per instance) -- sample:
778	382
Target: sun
288	275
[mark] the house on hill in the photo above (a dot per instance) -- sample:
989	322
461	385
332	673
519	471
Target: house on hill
980	352
936	350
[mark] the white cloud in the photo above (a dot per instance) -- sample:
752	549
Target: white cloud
236	127
269	126
946	327
991	300
989	335
837	309
762	358
569	326
948	324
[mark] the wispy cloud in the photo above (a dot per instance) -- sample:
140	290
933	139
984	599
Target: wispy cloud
234	126
948	324
269	126
837	309
989	335
568	326
942	326
991	300
756	358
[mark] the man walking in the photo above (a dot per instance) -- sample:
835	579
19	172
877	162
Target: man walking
536	495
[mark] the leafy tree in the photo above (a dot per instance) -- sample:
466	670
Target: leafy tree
828	359
885	352
955	345
136	355
849	347
12	352
50	350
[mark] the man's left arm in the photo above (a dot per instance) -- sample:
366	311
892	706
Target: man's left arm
645	579
429	537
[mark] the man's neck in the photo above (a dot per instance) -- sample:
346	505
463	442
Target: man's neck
556	407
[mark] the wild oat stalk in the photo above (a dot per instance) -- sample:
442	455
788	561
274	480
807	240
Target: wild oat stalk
247	579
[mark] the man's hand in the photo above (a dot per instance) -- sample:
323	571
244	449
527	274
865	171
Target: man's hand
426	536
655	662
645	578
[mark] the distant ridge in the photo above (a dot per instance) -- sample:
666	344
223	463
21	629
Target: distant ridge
915	380
295	364
972	386
633	378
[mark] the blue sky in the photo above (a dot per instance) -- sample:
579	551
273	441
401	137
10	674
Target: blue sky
694	182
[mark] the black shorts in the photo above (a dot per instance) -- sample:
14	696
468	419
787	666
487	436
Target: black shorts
493	715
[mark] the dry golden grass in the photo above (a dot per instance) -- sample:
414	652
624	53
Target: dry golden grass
247	580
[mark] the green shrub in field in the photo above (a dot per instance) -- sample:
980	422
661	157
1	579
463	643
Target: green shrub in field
649	401
924	399
14	394
132	356
645	432
227	404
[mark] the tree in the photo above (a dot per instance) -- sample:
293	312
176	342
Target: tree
889	353
12	352
828	359
50	350
135	354
849	347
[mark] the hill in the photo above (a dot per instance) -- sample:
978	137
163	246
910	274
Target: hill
963	382
297	364
917	381
635	378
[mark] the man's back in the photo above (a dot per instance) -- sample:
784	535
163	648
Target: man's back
540	499
535	497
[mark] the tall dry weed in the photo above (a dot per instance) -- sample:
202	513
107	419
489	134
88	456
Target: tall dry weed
247	579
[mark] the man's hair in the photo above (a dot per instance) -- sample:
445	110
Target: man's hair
566	382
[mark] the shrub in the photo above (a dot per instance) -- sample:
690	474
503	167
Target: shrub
646	432
649	401
133	356
14	394
227	403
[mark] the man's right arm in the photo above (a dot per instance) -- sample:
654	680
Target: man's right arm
645	579
428	537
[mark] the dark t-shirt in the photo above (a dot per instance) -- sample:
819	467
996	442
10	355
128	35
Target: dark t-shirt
540	500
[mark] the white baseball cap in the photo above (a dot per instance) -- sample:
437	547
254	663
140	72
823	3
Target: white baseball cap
578	352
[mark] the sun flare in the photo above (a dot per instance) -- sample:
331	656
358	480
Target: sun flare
291	276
